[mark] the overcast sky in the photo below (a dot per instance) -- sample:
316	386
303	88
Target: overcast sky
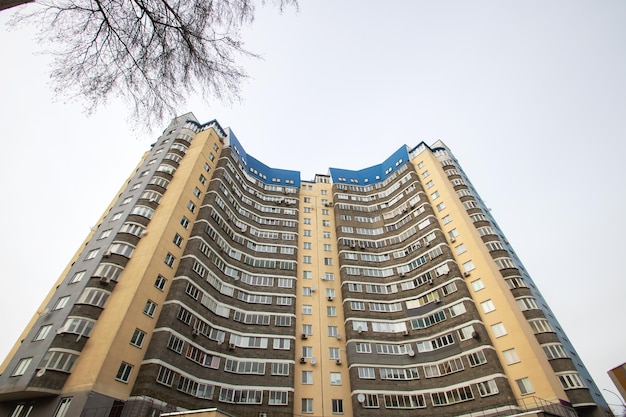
529	95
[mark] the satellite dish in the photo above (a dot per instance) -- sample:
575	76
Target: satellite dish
360	398
313	361
41	372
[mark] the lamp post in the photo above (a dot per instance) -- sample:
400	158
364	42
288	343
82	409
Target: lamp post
618	397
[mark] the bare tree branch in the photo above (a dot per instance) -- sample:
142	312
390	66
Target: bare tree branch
152	53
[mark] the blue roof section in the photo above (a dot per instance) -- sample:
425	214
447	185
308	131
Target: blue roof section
373	174
259	170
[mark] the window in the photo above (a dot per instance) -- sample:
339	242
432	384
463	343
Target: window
178	240
21	410
137	338
92	254
366	373
435	195
307	406
453	234
478	285
123	373
202	179
441	206
307	377
105	234
307	274
43	332
331	311
554	351
540	326
307	220
468	266
498	330
571	380
326	223
150	308
169	260
335	378
487	388
307	309
307	292
333	331
77	277
307	329
307	199
165	376
197	192
337	406
307	259
328	261
446	219
363	348
524	385
460	249
307	232
21	366
191	206
184	222
510	356
211	157
64	405
487	306
160	282
527	303
327	247
430	183
307	351
333	353
326	235
207	168
61	302
278	398
58	360
125	201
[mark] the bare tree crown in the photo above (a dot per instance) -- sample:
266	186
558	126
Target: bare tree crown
152	53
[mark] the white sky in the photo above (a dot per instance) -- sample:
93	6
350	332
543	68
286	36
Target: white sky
530	96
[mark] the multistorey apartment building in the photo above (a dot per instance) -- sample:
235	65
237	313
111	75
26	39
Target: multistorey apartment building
214	280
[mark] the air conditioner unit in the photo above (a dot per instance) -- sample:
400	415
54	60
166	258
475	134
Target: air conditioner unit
466	274
106	254
304	336
338	361
231	346
476	335
143	233
359	329
338	337
402	274
313	288
303	360
330	298
195	332
353	246
427	243
105	280
262	414
452	240
405	333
